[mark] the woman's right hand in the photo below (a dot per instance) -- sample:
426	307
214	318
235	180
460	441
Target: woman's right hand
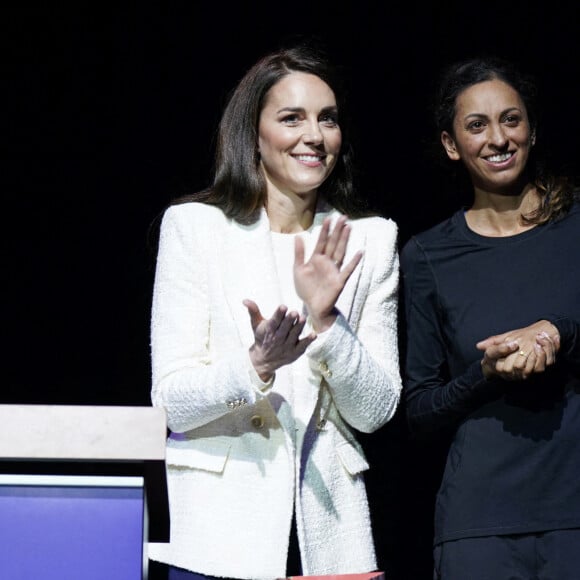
277	340
320	280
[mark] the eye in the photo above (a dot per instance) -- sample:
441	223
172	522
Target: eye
290	119
476	126
329	119
512	120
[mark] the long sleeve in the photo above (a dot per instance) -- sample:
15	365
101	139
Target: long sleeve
433	399
189	380
361	364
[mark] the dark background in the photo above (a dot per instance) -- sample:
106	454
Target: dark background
109	112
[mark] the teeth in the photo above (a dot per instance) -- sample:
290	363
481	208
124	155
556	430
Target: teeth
308	157
499	158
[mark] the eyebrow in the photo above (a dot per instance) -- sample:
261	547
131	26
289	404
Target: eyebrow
331	108
504	112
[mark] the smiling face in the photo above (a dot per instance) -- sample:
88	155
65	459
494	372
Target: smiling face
299	138
491	136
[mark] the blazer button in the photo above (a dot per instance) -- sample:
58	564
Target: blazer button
325	370
236	403
257	421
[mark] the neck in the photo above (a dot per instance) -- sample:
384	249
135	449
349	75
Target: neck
290	214
498	215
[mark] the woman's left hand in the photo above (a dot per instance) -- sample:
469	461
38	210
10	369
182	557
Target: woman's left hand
517	354
320	280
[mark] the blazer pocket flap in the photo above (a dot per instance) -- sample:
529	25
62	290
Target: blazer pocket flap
206	455
352	458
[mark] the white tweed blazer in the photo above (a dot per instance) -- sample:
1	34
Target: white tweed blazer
236	466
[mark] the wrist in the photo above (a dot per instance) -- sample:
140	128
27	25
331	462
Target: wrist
323	322
263	370
551	332
486	369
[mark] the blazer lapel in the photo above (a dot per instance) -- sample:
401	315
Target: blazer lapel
249	271
357	284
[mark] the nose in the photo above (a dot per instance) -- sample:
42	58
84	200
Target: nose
497	136
312	133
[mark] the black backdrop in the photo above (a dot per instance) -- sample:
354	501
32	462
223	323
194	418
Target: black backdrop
110	110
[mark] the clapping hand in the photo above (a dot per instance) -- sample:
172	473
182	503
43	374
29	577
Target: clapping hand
277	340
320	280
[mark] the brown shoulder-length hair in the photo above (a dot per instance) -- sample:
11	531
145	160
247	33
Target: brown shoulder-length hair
557	192
239	187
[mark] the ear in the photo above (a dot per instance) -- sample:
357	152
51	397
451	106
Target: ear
450	147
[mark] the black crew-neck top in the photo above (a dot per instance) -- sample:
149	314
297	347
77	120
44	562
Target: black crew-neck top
514	462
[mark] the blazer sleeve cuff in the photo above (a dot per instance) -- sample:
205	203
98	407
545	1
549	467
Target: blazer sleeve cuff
257	383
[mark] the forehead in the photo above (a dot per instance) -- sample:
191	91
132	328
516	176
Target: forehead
302	90
488	97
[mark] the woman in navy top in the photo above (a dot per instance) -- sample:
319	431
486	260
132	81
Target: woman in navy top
492	305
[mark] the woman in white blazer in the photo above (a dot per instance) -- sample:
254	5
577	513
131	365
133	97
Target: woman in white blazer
274	339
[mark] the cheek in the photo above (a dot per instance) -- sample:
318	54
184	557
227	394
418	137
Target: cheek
527	139
333	141
469	148
264	141
274	141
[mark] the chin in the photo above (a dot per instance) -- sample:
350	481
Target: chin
307	188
